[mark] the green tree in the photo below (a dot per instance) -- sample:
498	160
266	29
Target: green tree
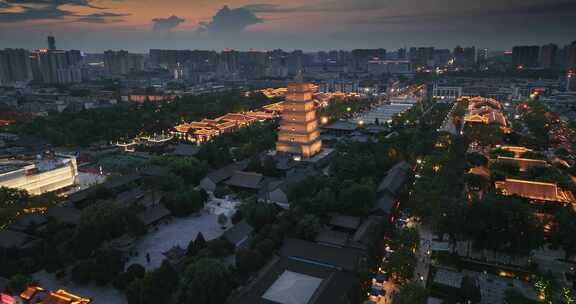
184	202
308	227
108	264
563	232
206	281
82	272
248	261
411	293
196	245
222	220
10	197
357	199
470	290
504	224
258	214
18	283
97	223
402	264
156	286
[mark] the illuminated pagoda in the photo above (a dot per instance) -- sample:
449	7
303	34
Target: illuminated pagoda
299	135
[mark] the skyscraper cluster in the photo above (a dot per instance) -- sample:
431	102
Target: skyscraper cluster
548	56
49	65
121	62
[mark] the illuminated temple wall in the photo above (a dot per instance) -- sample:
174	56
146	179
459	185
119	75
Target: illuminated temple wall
299	133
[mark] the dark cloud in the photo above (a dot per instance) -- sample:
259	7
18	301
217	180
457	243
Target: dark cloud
321	6
229	21
53	3
35	13
406	6
542	15
166	24
105	17
50	10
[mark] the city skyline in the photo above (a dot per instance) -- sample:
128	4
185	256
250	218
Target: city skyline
98	25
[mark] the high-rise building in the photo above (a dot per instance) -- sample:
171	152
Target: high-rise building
15	65
299	135
482	56
56	66
470	55
361	57
422	56
170	57
51	43
525	56
117	62
570	55
548	56
402	54
441	57
464	56
228	61
571	80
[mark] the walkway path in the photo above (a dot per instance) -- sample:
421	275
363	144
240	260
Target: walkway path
423	256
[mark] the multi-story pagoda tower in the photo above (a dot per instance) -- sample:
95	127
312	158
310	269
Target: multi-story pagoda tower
299	135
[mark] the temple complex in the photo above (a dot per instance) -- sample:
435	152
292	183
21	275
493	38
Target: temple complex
299	135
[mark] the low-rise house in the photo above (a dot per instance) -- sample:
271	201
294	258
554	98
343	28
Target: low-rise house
246	181
307	272
345	223
385	204
214	178
29	223
129	197
332	238
239	235
449	278
395	179
276	192
390	187
185	150
292	281
64	214
18	240
346	259
153	215
339	128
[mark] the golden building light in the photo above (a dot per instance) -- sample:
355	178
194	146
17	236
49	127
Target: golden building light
299	133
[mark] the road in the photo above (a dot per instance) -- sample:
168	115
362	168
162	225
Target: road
423	255
448	124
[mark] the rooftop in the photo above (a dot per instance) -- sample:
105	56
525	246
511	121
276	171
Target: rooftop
291	281
292	288
242	179
448	277
338	258
238	233
345	221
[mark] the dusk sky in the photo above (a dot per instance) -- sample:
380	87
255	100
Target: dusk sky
138	25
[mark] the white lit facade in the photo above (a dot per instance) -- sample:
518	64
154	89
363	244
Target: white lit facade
43	175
